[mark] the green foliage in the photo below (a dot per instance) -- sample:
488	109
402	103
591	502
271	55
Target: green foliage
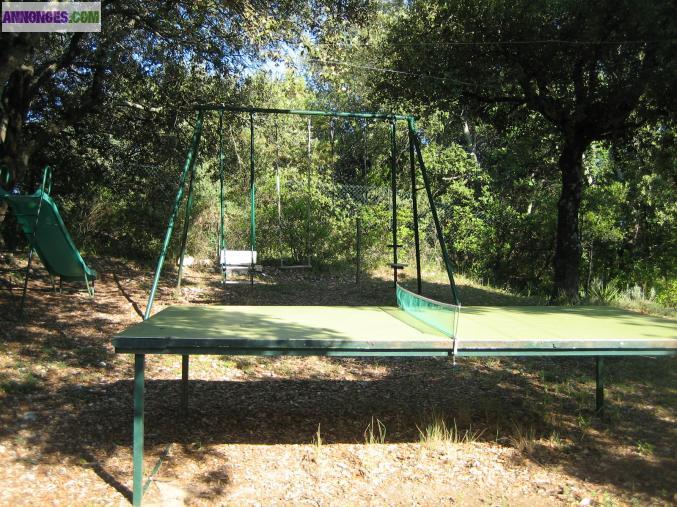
569	63
603	293
493	153
667	294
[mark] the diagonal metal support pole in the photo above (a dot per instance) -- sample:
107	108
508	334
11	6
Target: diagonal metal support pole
188	166
436	220
414	203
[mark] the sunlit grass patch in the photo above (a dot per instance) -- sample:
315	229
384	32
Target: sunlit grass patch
437	432
375	432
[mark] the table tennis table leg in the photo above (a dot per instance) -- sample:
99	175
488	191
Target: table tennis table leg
184	383
137	446
599	390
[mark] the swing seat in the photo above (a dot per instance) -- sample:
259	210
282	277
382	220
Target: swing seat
238	260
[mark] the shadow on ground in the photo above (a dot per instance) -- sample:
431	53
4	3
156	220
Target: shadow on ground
86	419
496	400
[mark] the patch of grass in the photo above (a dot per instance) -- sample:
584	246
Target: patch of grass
375	432
583	422
229	363
437	432
645	306
555	439
645	448
523	439
29	383
607	500
317	438
246	364
285	368
493	362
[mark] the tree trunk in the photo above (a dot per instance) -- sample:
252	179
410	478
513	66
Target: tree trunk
15	153
568	245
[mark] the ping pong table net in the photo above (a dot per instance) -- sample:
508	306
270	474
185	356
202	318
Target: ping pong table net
440	316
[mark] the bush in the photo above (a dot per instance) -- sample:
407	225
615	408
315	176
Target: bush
667	295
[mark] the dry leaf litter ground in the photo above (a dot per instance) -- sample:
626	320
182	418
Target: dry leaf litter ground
314	431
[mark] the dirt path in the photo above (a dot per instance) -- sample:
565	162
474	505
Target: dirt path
316	431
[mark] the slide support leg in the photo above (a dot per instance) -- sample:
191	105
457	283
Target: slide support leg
23	294
599	390
137	449
90	288
184	383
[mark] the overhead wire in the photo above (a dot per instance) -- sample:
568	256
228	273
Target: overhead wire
508	43
401	72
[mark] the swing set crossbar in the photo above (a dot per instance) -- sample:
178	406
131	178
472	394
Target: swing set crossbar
304	112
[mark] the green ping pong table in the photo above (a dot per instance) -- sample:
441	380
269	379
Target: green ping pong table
423	329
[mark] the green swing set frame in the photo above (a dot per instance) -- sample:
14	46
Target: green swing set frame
189	172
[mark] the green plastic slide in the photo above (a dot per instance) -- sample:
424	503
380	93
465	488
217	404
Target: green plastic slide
50	238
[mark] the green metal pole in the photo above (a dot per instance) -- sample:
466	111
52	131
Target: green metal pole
436	220
137	446
308	185
599	388
414	204
252	198
186	225
185	362
278	191
190	161
46	182
365	149
25	287
393	190
221	245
